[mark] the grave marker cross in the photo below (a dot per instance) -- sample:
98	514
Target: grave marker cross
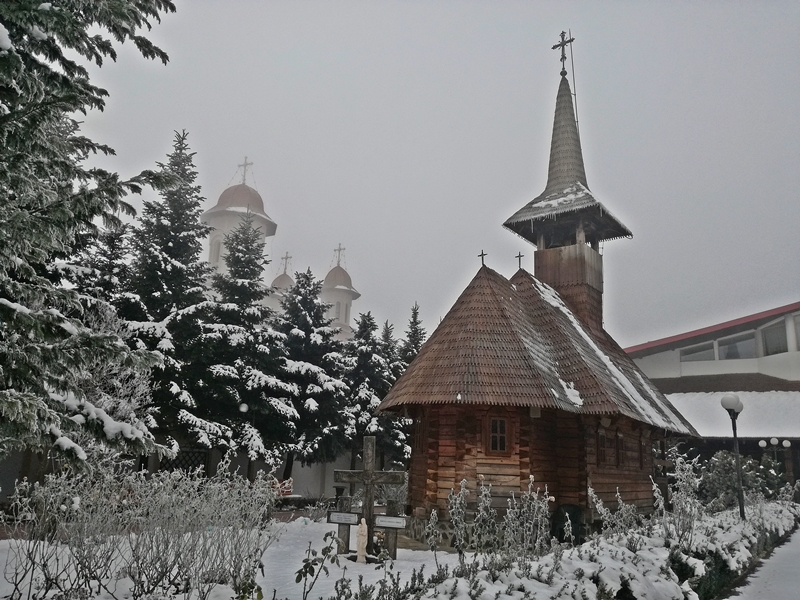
369	477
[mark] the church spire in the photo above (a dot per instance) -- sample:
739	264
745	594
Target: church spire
566	159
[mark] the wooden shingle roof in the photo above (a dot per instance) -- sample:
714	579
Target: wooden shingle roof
515	343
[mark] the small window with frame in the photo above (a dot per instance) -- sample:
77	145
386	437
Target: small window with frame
601	447
499	441
620	450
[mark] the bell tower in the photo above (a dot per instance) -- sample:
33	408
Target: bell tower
566	222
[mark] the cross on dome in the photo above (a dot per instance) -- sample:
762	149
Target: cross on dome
244	166
338	252
285	258
563	45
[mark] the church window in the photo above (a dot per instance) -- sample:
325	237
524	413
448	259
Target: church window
338	310
738	346
215	250
700	352
498	435
620	450
346	313
774	338
601	447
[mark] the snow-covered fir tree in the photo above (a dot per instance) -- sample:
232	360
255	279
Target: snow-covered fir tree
369	377
48	198
415	336
243	356
166	301
313	365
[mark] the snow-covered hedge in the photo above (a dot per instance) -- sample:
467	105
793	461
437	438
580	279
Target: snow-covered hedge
136	535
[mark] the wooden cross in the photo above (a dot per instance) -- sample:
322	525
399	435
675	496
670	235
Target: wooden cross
563	45
244	169
338	252
482	255
519	258
369	477
285	258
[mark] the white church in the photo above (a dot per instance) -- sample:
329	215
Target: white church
312	481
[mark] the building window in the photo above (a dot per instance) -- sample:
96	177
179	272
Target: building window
601	447
701	352
498	435
738	346
338	310
347	313
620	450
775	339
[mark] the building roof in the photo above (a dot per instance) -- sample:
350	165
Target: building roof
515	343
765	414
240	198
339	279
728	382
283	282
703	334
566	194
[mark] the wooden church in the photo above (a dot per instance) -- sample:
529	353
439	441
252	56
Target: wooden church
520	378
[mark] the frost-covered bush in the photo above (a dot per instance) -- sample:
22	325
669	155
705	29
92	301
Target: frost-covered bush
679	523
534	520
171	532
484	529
718	479
457	507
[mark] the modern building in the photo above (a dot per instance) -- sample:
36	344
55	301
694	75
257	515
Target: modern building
756	357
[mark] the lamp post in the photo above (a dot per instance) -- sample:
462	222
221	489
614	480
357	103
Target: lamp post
774	443
734	406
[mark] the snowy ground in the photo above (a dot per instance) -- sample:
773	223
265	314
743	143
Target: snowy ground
778	578
577	573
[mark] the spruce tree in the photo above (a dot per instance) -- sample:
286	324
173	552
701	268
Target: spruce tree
48	200
415	336
242	357
167	301
313	365
369	377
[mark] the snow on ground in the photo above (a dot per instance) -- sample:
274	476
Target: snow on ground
578	573
778	578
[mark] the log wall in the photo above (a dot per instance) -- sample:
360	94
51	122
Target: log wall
558	448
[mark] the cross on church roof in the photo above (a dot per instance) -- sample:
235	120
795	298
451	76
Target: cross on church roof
285	258
338	252
519	258
244	166
482	255
563	45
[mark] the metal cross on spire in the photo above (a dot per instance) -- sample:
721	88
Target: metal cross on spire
244	166
483	255
519	258
563	45
285	258
338	252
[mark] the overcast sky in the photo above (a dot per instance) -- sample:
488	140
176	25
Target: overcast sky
409	131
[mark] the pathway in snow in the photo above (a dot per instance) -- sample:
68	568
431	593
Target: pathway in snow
778	578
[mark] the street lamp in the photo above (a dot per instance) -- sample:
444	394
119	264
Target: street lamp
734	406
774	442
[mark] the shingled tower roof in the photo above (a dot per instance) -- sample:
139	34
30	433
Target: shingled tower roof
566	199
515	343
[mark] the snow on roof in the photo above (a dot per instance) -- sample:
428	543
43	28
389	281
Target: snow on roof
765	414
